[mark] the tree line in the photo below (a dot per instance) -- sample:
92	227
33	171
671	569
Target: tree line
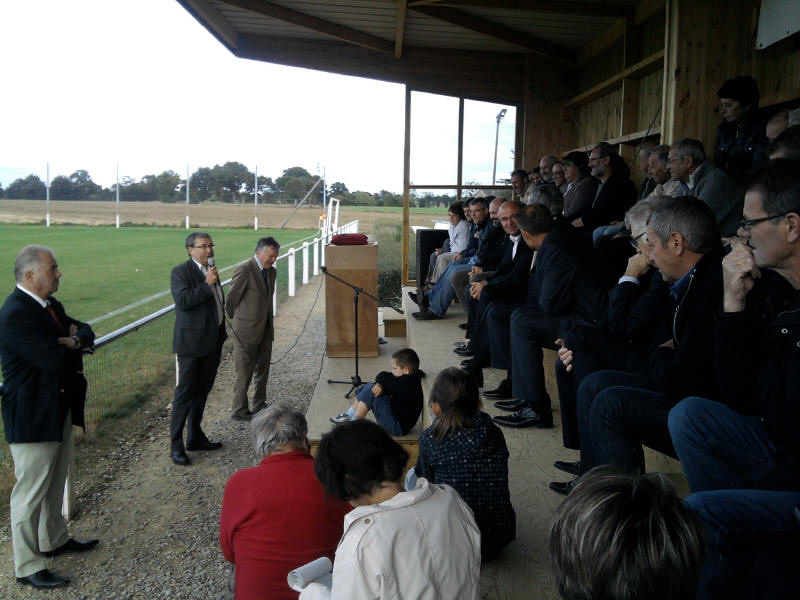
232	182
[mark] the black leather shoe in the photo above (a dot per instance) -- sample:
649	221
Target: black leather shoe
462	326
563	487
466	362
242	416
462	350
573	468
422	303
510	405
72	545
502	392
426	315
179	457
525	417
44	579
204	445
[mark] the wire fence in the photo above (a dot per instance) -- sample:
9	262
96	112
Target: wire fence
127	363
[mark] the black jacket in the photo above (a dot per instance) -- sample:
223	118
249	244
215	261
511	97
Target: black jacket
636	311
43	378
739	151
757	361
561	282
510	281
405	396
687	370
476	233
490	250
196	331
615	197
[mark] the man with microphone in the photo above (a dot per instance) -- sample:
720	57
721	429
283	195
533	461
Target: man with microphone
197	340
250	307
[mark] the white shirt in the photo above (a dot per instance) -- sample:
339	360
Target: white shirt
459	236
420	545
515	239
43	303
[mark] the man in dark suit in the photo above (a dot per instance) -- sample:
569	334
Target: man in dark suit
44	395
250	306
197	340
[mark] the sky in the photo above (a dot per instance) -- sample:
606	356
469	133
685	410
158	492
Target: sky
96	84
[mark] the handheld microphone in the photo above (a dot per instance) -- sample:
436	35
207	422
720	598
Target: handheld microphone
211	262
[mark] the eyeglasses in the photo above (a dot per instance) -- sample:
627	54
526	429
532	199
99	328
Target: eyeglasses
635	240
748	225
673	159
204	247
592	159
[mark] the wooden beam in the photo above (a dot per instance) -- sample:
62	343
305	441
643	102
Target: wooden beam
643	67
406	186
646	9
631	139
212	19
605	39
594	9
346	34
500	32
400	28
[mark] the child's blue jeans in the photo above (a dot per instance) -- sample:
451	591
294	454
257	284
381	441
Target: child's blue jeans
381	407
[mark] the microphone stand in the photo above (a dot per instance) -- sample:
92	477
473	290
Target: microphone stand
355	380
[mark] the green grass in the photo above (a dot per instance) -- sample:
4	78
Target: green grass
105	268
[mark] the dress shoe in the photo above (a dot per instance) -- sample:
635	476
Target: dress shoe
466	362
525	417
204	445
426	315
422	301
510	405
462	326
573	468
44	579
502	392
72	545
245	416
179	457
463	350
474	371
563	487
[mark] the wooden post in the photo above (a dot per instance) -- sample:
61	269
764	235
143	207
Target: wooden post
406	183
460	148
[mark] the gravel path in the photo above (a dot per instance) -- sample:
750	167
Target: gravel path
157	522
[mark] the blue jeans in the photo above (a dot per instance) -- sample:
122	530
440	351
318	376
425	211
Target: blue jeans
605	231
752	538
719	448
381	407
441	295
617	413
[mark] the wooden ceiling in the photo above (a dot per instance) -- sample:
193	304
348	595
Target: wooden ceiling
475	48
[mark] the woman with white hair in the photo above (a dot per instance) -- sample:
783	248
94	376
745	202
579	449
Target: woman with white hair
275	516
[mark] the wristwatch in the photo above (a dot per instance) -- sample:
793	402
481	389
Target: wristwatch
76	340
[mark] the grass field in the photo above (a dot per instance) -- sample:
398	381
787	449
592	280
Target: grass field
105	268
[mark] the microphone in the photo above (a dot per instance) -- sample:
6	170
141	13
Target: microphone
211	262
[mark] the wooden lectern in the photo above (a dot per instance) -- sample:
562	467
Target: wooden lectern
359	266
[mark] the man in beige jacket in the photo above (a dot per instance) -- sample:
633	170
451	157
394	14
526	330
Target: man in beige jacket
249	304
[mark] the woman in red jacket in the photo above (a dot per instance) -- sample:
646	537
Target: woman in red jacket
275	516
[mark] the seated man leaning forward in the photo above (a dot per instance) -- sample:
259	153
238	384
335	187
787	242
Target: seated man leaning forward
276	516
621	536
394	398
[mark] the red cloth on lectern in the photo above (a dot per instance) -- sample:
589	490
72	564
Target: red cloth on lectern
274	519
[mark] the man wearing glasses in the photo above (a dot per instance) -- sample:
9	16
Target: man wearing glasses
197	340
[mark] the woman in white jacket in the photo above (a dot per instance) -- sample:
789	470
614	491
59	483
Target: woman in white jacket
458	232
422	544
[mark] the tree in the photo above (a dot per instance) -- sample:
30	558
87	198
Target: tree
200	185
167	186
295	183
230	178
29	188
1	190
61	188
338	189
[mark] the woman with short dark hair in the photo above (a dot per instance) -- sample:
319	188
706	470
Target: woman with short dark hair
397	544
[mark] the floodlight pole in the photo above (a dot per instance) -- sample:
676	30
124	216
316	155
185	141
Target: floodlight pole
500	116
187	196
255	200
117	206
47	196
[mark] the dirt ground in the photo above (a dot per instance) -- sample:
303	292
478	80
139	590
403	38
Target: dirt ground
208	214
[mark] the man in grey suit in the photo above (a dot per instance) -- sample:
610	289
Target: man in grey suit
197	340
250	307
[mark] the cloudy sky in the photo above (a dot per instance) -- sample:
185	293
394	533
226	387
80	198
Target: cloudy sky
89	84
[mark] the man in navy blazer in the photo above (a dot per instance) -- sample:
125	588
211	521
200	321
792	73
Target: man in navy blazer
43	397
197	340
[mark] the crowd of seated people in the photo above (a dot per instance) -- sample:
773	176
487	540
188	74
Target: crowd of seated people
672	309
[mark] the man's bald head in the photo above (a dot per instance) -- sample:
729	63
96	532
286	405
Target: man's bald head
508	216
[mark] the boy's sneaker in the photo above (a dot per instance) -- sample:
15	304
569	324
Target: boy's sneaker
340	418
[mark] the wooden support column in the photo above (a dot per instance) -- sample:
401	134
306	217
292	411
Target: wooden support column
629	113
669	86
406	189
460	168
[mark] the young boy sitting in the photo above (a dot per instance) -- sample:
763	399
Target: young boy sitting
395	398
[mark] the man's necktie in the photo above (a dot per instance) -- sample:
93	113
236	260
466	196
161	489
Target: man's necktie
265	275
56	319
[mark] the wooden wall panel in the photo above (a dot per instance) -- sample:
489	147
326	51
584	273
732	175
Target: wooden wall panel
603	66
652	35
650	88
600	119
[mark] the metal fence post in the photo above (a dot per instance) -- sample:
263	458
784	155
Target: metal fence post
305	263
316	256
290	272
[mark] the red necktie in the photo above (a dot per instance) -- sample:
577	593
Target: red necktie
55	318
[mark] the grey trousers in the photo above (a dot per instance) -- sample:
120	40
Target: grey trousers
251	362
36	500
459	281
